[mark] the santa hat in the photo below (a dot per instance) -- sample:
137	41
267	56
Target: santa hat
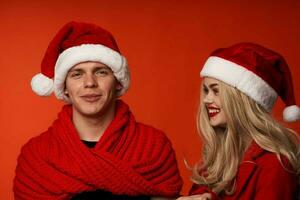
260	73
73	44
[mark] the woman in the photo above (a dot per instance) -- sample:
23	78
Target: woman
247	154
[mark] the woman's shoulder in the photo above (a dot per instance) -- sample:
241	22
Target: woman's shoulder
270	161
268	165
265	159
276	176
275	165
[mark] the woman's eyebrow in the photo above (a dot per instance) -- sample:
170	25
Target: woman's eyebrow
211	85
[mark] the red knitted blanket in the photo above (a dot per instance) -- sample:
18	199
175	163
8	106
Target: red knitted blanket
130	159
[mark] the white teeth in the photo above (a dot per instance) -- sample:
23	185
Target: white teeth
213	111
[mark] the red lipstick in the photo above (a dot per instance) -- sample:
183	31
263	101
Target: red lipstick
212	111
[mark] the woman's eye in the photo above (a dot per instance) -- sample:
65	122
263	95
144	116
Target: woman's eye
205	90
216	91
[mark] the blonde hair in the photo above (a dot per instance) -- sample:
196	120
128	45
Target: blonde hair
224	148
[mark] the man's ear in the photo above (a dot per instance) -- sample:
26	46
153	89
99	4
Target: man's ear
66	92
119	86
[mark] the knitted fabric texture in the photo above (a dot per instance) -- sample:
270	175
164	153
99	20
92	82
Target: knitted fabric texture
130	159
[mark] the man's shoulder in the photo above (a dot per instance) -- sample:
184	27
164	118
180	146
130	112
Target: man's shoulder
36	143
147	126
149	130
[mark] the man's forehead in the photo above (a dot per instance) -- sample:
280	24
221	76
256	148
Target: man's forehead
89	65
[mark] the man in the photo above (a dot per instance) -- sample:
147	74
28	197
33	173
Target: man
95	149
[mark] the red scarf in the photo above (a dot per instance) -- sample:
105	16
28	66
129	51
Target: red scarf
130	159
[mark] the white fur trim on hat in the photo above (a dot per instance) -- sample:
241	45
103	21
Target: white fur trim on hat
89	52
242	79
291	113
42	85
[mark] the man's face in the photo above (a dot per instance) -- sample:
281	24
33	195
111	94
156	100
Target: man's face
91	87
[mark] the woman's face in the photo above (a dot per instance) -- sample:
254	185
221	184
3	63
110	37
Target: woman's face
212	102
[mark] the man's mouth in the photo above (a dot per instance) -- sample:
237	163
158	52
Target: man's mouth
91	97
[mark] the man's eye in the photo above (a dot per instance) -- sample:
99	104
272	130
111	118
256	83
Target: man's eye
75	74
102	72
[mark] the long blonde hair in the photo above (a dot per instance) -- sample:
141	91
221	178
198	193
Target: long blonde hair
224	148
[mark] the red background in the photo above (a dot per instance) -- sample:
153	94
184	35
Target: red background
165	42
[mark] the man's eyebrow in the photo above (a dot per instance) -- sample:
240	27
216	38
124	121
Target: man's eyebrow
102	67
107	69
95	69
76	69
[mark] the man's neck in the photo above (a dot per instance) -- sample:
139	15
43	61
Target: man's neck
91	128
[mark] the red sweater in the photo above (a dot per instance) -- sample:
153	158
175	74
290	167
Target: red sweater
130	159
260	177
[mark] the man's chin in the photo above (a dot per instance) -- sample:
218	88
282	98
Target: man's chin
92	113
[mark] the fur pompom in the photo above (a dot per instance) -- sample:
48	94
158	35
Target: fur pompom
42	85
291	113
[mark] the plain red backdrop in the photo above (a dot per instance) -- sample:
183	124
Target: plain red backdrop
165	42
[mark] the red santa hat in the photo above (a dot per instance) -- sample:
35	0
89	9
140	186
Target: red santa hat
75	43
258	72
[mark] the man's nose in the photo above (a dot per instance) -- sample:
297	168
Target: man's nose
90	81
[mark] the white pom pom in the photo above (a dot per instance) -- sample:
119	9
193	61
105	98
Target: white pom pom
42	85
291	113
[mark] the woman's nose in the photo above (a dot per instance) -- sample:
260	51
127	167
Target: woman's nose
208	98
